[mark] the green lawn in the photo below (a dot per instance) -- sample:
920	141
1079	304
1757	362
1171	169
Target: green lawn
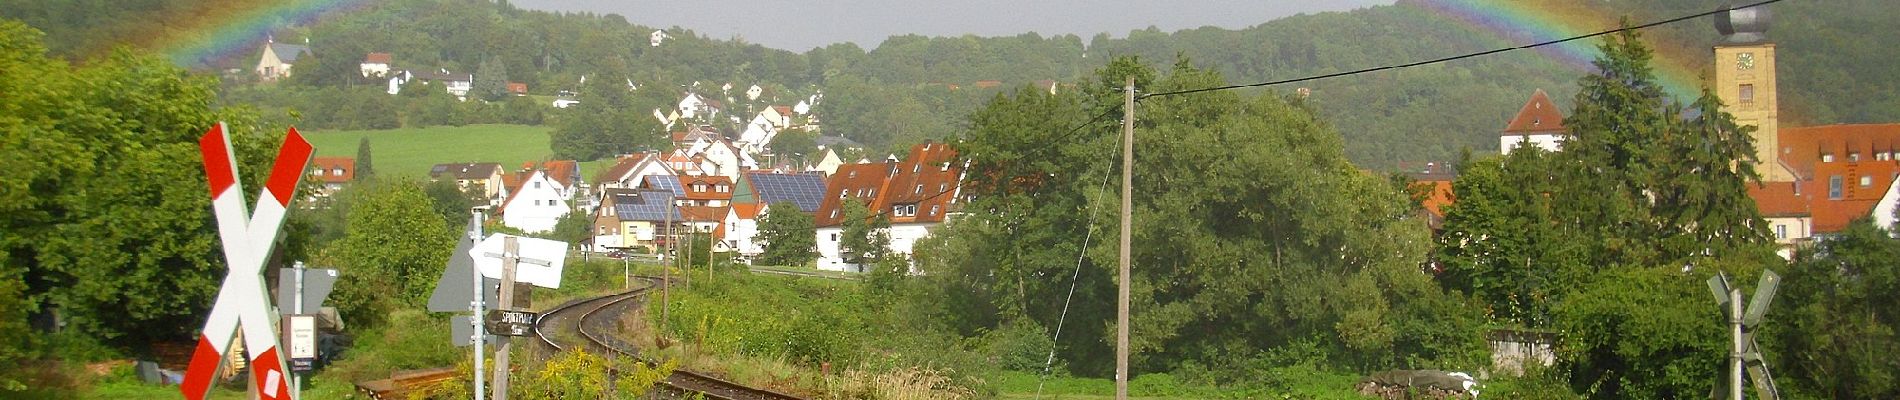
410	152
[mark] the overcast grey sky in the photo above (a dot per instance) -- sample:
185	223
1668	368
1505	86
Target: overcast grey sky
801	25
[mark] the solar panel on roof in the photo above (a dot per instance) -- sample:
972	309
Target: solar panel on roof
666	182
805	190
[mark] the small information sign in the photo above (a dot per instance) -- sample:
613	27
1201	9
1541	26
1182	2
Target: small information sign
303	342
511	323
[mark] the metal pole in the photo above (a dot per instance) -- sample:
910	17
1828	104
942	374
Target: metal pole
666	273
1735	354
296	379
476	305
511	254
1121	290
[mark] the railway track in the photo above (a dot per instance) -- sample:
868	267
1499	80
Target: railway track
586	323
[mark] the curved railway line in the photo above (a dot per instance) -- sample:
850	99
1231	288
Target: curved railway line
585	323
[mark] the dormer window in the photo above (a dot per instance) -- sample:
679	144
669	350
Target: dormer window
844	193
946	166
915	168
920	190
1853	157
1827	157
1883	156
943	187
336	171
934	209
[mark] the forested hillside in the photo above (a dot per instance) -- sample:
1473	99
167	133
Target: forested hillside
913	87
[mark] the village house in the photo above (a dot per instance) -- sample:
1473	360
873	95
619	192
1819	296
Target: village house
331	173
628	171
536	205
376	65
756	193
277	60
631	218
484	178
1539	123
917	194
695	106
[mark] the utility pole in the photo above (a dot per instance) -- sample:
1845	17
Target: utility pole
481	330
666	273
1736	349
1121	295
511	254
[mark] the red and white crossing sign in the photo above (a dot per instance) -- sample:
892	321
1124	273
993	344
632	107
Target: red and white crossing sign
247	236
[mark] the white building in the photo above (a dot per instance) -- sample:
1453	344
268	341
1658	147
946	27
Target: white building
1538	124
376	65
536	206
916	194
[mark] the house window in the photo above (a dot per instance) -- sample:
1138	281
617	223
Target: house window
915	168
920	189
537	185
1882	156
1866	180
1853	157
834	213
1781	231
934	209
1834	187
336	171
1748	93
844	193
834	237
537	202
1827	157
946	166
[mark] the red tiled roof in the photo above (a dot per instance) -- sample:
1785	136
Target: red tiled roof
1780	199
712	183
325	168
1856	151
986	84
927	179
1539	115
624	165
783	110
747	210
378	58
517	88
702	214
1440	195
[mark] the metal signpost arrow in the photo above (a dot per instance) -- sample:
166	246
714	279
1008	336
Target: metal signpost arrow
1745	351
247	237
462	288
546	258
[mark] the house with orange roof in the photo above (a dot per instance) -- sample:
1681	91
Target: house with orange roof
332	173
536	204
917	194
628	171
1539	123
742	230
376	65
1840	173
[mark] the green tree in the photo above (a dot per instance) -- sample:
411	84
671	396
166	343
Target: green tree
865	238
491	81
1835	318
574	227
391	252
793	141
86	227
789	235
365	167
453	202
1237	252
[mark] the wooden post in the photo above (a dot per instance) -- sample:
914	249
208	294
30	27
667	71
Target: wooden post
1121	291
510	254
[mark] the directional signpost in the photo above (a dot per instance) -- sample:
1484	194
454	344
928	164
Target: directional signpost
1743	322
247	237
504	255
462	288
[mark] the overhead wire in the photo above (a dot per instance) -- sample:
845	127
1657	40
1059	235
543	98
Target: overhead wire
1461	56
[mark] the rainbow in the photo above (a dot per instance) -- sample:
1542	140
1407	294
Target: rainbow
1524	22
210	31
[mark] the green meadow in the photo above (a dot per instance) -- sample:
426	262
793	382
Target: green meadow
409	152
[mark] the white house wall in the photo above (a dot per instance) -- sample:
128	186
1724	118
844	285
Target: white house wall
1548	142
538	206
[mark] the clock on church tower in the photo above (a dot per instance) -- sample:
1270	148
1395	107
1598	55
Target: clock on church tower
1745	80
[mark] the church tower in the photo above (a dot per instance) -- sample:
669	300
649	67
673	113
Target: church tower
1745	81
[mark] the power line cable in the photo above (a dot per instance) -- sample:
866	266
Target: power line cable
1461	56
